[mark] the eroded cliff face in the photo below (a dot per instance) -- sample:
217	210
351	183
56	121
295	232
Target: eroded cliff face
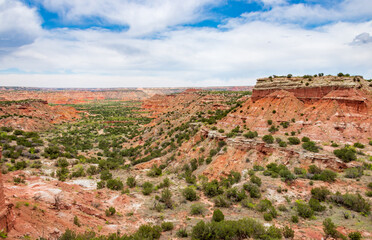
6	209
330	108
34	115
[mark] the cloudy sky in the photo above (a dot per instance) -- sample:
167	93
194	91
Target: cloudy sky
160	43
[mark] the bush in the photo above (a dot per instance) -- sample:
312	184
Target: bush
212	189
326	176
235	195
110	211
256	180
106	175
314	169
304	210
182	233
221	201
268	139
76	221
167	226
352	201
251	134
273	233
197	209
253	189
294	141
62	162
218	216
282	144
346	154
305	139
320	193
358	145
166	198
154	171
315	205
294	219
148	232
329	229
131	182
355	236
310	146
115	184
288	232
268	217
355	172
287	175
147	188
101	184
190	194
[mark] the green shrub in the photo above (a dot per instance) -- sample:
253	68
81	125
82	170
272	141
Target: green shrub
286	175
218	216
369	193
268	217
355	236
131	182
320	193
326	176
329	229
155	171
251	134
110	211
288	232
310	146
314	169
167	226
148	232
305	139
235	195
282	144
166	198
182	233
268	139
253	189
358	145
221	201
273	233
256	180
315	205
115	184
294	219
62	162
190	194
304	210
76	221
355	172
352	201
197	209
106	175
346	154
212	189
147	188
294	141
101	184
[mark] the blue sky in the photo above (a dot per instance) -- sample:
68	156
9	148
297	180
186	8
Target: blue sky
160	43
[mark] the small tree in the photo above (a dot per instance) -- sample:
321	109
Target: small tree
218	216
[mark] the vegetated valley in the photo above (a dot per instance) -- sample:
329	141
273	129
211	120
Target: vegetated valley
291	159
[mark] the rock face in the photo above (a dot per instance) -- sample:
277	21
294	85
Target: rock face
6	213
328	108
33	115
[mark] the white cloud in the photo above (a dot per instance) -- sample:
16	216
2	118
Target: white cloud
19	25
142	17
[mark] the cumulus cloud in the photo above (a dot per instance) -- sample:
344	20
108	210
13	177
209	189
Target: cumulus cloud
19	25
142	17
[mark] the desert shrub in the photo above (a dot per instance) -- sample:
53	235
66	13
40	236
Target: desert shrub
115	184
320	193
305	139
167	226
370	185
355	172
131	182
273	129
147	188
148	232
110	211
268	139
369	193
304	210
62	162
326	176
253	189
251	134
182	233
288	232
76	221
197	209
370	142
352	201
282	144
355	236
154	171
282	208
256	180
101	184
62	174
315	205
106	175
212	189
218	216
221	201
286	175
329	229
294	219
346	154
268	217
235	195
273	233
294	141
92	170
310	146
166	198
190	194
314	169
358	145
269	122
299	171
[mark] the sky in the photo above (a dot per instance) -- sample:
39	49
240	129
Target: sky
174	43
